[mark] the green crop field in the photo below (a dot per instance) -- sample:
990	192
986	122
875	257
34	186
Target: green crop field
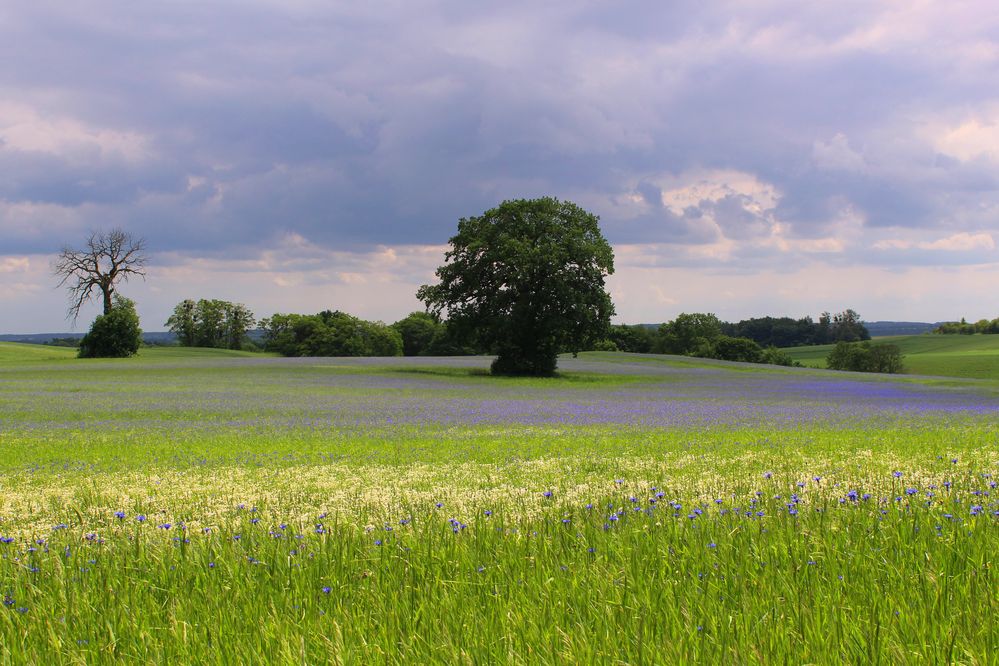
970	356
195	506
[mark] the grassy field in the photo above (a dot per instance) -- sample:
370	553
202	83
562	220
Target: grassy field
970	356
210	507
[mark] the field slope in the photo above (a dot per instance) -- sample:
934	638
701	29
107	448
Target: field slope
195	506
970	356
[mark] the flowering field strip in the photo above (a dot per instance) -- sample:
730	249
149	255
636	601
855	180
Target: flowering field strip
220	512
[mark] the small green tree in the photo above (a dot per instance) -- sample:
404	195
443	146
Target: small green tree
417	330
774	356
688	333
238	320
526	280
113	335
727	348
636	339
182	323
886	357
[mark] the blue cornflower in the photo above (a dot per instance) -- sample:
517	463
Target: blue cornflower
378	542
165	526
488	512
712	545
547	493
768	475
327	590
911	491
211	565
120	515
141	518
897	475
6	539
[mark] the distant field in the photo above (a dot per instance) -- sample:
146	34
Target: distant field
970	356
212	507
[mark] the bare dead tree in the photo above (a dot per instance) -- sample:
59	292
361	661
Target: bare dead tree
110	257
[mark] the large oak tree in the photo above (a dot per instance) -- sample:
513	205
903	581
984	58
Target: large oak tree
526	281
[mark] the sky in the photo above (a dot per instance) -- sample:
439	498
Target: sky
745	158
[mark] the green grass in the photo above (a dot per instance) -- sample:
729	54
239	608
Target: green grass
12	353
205	507
969	356
15	352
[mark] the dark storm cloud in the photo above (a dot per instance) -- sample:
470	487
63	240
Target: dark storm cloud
357	126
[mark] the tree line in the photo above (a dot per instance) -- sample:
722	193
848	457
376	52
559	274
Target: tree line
524	281
986	326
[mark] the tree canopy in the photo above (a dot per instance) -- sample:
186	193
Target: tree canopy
329	334
526	281
211	323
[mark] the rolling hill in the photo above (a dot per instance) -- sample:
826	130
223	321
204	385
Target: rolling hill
971	356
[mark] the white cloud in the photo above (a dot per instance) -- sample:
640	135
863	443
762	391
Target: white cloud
25	129
959	242
971	138
14	264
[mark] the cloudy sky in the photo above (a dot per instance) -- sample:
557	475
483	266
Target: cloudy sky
745	158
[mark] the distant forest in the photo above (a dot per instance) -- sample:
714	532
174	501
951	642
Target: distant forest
986	326
675	337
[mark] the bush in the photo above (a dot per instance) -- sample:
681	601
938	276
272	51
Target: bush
113	335
329	334
773	356
745	350
865	357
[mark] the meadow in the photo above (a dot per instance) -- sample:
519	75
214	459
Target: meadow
968	356
199	506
